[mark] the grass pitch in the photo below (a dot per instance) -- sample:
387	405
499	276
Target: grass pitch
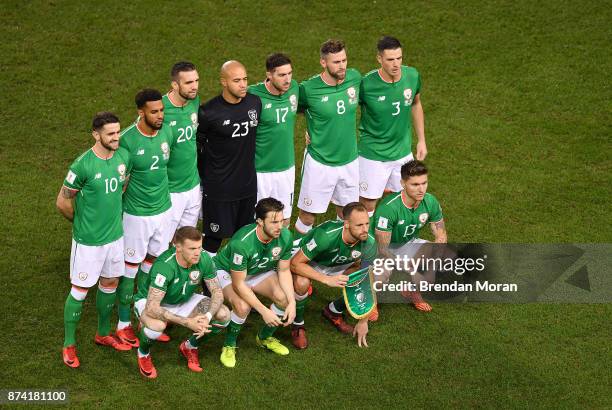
518	113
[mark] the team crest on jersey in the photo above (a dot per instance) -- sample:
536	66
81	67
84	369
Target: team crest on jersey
121	171
194	275
166	150
423	218
253	117
276	251
407	96
355	254
352	94
214	227
293	102
194	118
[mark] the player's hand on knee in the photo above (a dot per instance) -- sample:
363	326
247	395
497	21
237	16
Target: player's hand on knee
338	281
360	331
270	318
199	324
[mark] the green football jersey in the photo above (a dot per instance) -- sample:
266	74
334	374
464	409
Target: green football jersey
147	192
246	252
274	144
178	282
97	206
331	114
183	164
385	129
325	246
404	223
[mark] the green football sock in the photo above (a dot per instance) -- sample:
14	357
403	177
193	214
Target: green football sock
233	330
145	342
104	305
266	331
300	308
72	315
125	296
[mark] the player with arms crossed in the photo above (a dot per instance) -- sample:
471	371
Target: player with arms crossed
168	296
146	202
390	99
330	170
399	218
328	254
227	128
181	105
91	199
274	151
256	262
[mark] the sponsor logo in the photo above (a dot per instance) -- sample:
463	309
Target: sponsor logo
325	98
98	175
382	98
401	222
382	223
237	259
214	227
140	151
268	105
226	122
71	177
83	275
172	123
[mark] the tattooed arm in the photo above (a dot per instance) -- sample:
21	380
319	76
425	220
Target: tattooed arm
383	239
216	297
439	231
154	310
64	202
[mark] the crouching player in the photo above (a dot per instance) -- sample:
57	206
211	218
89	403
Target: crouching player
328	254
256	261
400	217
168	295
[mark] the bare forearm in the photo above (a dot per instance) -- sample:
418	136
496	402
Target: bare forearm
286	283
418	121
64	203
439	231
307	271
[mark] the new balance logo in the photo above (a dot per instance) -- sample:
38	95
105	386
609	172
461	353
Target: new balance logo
268	105
172	123
140	151
381	98
325	99
226	122
98	175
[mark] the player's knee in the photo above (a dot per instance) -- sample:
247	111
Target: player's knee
223	314
300	284
307	218
79	293
279	298
109	283
240	307
153	324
